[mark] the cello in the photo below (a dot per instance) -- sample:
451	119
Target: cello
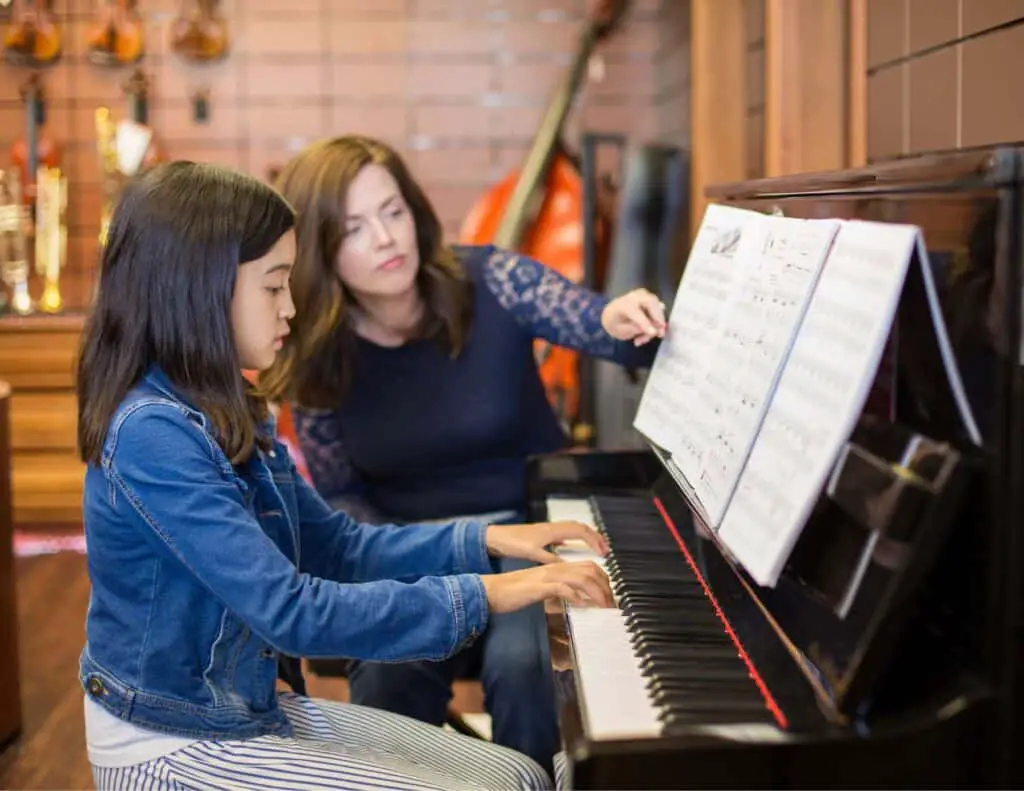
537	210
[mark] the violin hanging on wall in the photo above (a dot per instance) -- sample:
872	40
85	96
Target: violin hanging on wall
136	88
199	33
124	147
32	37
116	36
36	148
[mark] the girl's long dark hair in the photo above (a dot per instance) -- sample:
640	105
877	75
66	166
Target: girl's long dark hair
168	272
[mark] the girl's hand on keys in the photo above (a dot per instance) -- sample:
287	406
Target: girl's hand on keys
581	584
530	542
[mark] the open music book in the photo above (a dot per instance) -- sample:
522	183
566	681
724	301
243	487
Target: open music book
773	344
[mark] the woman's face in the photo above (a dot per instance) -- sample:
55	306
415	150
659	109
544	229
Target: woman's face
379	256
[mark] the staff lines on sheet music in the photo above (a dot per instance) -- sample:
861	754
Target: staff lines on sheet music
819	395
671	413
763	500
775	282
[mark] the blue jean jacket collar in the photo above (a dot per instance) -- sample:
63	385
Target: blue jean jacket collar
157	378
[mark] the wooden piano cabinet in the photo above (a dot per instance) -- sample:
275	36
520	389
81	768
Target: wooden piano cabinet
10	685
37	358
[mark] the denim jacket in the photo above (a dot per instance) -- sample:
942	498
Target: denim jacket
205	574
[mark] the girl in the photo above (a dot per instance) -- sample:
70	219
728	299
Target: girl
210	558
417	396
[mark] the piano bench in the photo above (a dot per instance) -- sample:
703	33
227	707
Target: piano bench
338	668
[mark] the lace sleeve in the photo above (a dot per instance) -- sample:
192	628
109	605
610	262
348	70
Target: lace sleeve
549	306
320	439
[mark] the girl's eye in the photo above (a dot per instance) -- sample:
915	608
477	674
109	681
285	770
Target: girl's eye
275	290
396	212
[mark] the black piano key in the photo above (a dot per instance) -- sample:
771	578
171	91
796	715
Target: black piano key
693	670
725	672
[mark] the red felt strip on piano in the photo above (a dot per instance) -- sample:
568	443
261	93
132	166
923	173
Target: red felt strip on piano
769	700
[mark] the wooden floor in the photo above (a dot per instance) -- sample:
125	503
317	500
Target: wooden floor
53	593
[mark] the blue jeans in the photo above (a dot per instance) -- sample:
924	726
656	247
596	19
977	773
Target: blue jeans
515	670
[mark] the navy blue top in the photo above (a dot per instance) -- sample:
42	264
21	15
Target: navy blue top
422	435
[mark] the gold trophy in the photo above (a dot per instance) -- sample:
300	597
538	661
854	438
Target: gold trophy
110	172
13	249
51	235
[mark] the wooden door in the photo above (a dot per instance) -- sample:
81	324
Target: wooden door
10	684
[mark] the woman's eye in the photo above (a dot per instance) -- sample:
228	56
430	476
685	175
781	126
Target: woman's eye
275	290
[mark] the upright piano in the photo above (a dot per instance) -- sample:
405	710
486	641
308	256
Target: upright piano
702	678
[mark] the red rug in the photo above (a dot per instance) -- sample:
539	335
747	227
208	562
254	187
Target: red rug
27	544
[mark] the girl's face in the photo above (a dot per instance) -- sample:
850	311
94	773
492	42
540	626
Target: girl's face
262	305
379	256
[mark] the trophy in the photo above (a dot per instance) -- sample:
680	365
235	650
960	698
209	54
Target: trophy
110	173
13	249
51	235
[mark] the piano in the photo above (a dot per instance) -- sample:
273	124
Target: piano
700	678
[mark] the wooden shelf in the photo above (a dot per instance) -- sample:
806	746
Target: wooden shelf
38	354
43	322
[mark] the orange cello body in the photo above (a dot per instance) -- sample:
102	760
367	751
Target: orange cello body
555	238
538	211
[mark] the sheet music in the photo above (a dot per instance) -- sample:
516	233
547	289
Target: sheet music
949	362
757	332
820	394
666	413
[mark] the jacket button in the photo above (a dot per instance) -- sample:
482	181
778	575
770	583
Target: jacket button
96	687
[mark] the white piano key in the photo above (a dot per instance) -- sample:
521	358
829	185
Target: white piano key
615	701
610	684
564	509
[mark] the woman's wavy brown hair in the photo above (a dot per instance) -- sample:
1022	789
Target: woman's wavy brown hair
315	365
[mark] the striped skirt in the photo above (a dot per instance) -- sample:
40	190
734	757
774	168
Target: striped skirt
335	746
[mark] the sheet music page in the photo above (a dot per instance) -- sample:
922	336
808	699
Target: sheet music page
666	413
949	362
757	332
820	394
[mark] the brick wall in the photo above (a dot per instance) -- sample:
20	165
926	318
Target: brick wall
458	85
943	74
672	65
754	14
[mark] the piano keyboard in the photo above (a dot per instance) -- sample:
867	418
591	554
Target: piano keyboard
611	681
662	661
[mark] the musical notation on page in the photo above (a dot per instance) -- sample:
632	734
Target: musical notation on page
664	413
820	394
775	284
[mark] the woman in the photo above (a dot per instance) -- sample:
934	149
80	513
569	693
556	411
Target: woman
211	559
416	394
